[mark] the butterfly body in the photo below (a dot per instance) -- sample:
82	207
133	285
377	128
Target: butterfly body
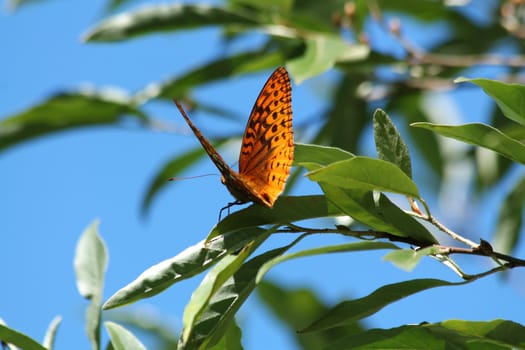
267	146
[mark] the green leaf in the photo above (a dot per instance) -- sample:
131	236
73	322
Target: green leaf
349	311
49	338
314	156
231	340
187	263
322	52
90	267
223	68
510	219
389	144
163	17
214	280
276	6
295	307
66	111
215	320
366	174
481	135
454	334
20	340
509	97
285	210
121	338
340	248
408	259
378	213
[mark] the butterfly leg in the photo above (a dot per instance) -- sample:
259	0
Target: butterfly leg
231	204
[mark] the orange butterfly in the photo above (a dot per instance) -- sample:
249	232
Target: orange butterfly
267	146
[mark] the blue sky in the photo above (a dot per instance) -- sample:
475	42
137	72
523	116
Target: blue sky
53	187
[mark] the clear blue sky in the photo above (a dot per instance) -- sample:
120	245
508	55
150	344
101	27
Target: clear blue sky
53	187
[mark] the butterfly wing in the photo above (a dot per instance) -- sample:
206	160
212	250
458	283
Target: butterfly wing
267	146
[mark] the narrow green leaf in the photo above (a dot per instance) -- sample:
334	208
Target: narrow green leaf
456	334
481	135
509	97
66	111
306	154
214	280
90	267
49	338
220	69
389	144
165	17
20	340
366	174
285	210
275	6
378	213
295	308
408	259
322	52
349	311
231	340
510	219
121	338
340	248
187	263
214	321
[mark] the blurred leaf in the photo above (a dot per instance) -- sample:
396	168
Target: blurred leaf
90	267
15	4
481	135
121	338
510	219
49	338
231	340
215	320
285	210
366	174
20	340
408	259
187	263
278	6
172	168
66	111
454	334
509	97
322	52
350	311
152	19
378	213
340	248
389	144
214	280
295	307
220	69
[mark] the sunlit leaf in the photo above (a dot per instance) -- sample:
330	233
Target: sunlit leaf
49	338
408	259
121	338
14	337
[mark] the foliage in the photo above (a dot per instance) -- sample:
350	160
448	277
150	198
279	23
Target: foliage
310	38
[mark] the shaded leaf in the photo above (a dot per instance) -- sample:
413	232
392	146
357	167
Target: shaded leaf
121	338
187	263
366	174
510	219
509	97
20	340
231	340
340	248
481	135
389	144
66	111
349	311
164	17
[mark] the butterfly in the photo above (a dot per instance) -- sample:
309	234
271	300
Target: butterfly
267	146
